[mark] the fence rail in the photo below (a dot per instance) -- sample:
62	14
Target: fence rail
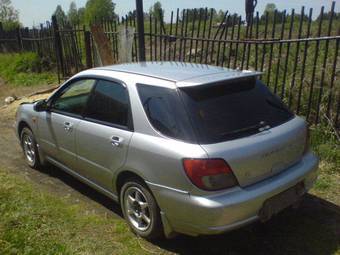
299	55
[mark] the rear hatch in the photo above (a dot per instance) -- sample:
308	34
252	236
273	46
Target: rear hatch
242	122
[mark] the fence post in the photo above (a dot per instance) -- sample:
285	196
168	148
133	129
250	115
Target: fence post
140	25
88	53
58	47
19	39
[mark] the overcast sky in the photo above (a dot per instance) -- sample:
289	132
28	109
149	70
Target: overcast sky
34	12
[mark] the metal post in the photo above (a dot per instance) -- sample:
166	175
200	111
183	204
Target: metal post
87	37
1	29
20	48
140	25
250	8
58	47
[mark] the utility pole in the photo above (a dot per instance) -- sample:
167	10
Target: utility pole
140	27
250	9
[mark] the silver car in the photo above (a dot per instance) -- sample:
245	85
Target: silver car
184	148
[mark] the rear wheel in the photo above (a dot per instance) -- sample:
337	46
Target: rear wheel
141	210
30	148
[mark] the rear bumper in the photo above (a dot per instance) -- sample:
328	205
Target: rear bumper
218	213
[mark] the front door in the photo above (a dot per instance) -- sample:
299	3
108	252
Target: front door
103	136
58	125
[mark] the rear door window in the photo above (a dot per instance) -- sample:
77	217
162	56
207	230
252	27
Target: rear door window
229	110
109	103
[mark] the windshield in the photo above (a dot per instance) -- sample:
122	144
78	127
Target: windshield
229	110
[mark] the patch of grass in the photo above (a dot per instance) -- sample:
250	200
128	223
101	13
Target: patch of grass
326	145
26	69
34	222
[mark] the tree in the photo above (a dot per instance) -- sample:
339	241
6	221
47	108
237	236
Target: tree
9	17
99	9
156	11
72	14
220	15
328	15
189	14
270	8
270	11
81	14
60	15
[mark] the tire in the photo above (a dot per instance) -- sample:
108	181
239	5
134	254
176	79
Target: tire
29	146
138	205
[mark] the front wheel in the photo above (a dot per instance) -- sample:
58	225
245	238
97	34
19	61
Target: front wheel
30	148
141	210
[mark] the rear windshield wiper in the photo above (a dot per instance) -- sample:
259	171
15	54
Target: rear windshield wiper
262	126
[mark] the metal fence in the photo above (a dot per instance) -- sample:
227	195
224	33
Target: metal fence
298	54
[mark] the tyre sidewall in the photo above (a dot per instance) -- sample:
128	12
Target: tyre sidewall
156	229
27	131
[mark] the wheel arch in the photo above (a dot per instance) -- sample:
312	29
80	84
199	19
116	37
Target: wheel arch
22	124
123	176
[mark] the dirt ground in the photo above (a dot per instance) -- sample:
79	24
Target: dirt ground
312	229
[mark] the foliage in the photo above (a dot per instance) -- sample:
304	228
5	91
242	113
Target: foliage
60	15
72	14
81	14
35	222
157	11
25	69
9	17
270	7
99	10
326	144
328	15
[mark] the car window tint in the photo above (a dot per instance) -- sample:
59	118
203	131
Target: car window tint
74	98
165	111
109	103
227	110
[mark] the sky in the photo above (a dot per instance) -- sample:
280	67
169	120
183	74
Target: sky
34	12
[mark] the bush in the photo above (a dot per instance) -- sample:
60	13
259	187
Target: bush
28	62
26	69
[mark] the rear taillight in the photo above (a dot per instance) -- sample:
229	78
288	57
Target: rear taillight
210	174
307	141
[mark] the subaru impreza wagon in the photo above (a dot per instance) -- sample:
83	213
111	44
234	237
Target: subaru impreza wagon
184	148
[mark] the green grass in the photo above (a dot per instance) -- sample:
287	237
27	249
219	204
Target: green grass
26	69
326	145
34	222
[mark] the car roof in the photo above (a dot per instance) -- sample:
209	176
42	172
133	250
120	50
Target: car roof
184	74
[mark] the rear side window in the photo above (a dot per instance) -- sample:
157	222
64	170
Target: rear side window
109	103
230	110
165	112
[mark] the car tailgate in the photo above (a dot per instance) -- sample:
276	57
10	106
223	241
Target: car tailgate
265	154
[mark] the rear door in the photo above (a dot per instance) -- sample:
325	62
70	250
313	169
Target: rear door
103	136
57	126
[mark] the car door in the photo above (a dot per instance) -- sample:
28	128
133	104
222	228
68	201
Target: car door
57	126
103	136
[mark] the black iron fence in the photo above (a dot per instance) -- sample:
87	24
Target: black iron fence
297	51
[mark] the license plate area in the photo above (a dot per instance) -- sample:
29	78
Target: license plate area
281	201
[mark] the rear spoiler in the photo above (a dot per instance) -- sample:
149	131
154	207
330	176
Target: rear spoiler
218	77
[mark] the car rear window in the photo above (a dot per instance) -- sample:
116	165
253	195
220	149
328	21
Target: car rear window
165	112
229	110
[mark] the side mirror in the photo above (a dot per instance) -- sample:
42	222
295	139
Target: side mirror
41	106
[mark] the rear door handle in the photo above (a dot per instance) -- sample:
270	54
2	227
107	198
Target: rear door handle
68	126
116	141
